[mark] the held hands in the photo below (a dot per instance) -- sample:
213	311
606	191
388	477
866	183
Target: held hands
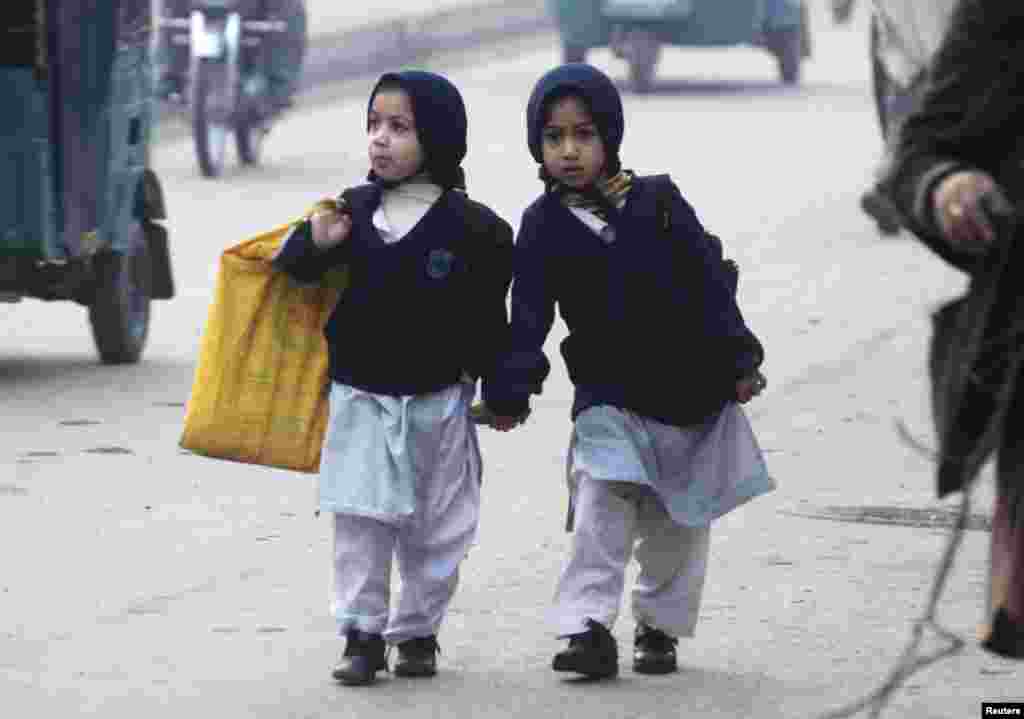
330	226
750	386
964	204
481	414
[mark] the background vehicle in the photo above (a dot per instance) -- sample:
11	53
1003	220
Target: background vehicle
81	209
636	30
227	87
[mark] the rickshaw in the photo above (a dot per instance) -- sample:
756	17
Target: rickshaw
81	209
636	30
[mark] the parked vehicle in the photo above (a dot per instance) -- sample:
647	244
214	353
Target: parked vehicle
81	213
228	92
636	30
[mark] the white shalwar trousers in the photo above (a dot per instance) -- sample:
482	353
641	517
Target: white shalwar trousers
610	518
442	467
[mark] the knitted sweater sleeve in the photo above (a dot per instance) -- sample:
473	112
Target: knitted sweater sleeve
300	258
491	278
524	366
970	116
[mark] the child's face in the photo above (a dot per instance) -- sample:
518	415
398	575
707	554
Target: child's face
571	145
395	151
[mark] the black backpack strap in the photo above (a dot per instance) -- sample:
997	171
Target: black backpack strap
355	198
664	191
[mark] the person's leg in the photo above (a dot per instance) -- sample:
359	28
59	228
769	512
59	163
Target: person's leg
590	589
429	554
362	586
1006	579
673	563
431	547
666	598
592	582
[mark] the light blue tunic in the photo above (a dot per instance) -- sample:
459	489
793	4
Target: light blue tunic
377	448
699	473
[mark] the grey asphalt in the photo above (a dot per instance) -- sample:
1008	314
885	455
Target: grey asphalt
138	580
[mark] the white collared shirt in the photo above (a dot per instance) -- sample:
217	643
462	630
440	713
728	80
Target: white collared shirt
402	207
600	227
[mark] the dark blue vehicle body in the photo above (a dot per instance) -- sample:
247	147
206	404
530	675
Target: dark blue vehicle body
634	29
79	206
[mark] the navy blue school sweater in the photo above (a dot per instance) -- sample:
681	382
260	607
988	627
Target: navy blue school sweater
653	323
419	312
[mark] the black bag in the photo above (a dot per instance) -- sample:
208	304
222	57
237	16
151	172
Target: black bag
974	360
665	190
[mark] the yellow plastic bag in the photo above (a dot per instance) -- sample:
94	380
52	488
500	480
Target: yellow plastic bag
260	388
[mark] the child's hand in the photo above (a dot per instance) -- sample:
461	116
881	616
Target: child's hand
964	204
504	424
479	413
330	228
750	387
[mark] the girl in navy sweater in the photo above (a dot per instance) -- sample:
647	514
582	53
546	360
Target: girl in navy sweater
422	319
659	356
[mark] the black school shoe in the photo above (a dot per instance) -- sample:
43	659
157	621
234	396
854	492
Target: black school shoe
365	655
1007	637
417	657
654	652
593	653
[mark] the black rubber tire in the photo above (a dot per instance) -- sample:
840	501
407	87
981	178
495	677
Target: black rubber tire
574	53
120	308
787	46
644	47
249	135
208	81
881	83
805	32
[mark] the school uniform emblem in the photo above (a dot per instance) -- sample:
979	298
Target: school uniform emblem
439	264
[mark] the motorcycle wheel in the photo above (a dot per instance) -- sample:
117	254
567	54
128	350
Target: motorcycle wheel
119	311
643	48
882	85
787	46
210	128
574	53
249	134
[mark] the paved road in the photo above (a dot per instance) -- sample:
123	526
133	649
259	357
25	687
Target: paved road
140	581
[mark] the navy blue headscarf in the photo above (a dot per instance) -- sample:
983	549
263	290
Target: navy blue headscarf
441	124
598	93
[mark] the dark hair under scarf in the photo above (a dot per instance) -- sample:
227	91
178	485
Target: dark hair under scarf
598	93
441	124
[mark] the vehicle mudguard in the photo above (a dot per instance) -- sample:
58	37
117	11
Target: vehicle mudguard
150	206
782	14
149	197
580	22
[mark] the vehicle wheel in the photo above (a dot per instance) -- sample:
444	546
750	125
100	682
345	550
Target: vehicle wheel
881	84
119	312
805	32
249	135
574	53
210	115
787	44
643	48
